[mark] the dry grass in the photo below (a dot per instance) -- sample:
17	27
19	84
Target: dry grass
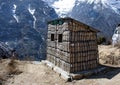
112	59
8	68
117	45
13	67
110	55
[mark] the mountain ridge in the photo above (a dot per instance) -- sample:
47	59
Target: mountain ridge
103	15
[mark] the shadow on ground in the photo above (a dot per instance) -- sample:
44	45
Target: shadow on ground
109	73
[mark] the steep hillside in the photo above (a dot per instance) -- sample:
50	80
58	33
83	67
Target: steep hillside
23	25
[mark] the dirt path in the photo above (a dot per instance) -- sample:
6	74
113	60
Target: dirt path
39	74
36	73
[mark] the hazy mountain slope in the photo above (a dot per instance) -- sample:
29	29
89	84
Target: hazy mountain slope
23	25
98	13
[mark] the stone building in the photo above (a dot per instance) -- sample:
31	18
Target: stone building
72	45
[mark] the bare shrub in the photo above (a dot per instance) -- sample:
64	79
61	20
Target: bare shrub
112	59
13	67
117	45
101	40
13	64
0	83
1	80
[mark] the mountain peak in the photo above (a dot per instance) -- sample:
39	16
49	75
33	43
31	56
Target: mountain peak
63	9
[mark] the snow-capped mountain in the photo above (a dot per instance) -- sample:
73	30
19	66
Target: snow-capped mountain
112	4
23	25
100	14
62	7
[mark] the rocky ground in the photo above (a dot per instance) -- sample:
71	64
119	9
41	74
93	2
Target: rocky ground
15	72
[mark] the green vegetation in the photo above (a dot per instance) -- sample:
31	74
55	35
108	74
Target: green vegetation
101	40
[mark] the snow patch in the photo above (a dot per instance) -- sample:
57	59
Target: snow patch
14	8
32	11
43	38
6	43
81	0
115	10
63	7
44	12
16	18
14	14
97	1
113	4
